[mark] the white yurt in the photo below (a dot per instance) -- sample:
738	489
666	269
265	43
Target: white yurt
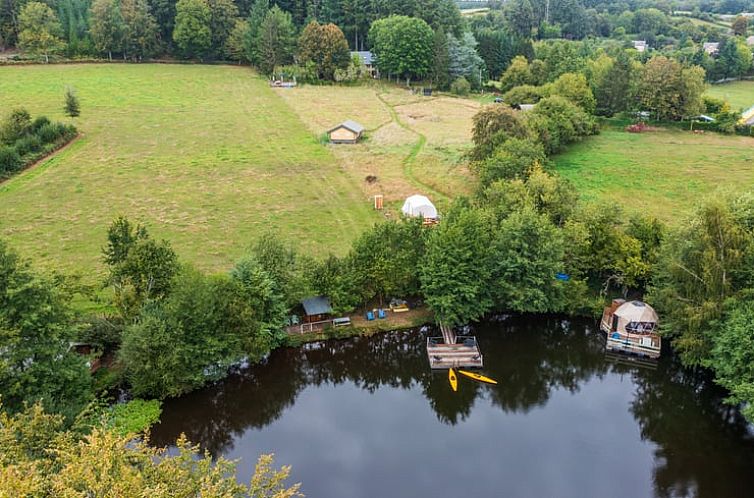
419	205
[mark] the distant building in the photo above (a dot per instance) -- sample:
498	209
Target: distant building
640	45
711	47
526	107
366	57
347	132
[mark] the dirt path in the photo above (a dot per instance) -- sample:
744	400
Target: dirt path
408	161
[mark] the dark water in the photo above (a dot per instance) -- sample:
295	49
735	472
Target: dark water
367	418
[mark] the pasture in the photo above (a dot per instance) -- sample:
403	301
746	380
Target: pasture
207	157
662	173
740	94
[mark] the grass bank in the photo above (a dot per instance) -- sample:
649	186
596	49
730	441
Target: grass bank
663	173
208	157
740	94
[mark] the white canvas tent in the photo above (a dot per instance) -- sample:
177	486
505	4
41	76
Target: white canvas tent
635	317
419	205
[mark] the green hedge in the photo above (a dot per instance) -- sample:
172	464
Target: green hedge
41	138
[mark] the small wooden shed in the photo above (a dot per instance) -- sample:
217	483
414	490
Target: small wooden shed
316	309
347	132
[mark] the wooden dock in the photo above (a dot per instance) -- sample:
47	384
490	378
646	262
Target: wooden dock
449	351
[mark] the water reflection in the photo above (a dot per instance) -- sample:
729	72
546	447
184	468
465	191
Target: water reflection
694	444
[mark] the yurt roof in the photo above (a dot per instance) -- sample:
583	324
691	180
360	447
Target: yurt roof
637	311
419	204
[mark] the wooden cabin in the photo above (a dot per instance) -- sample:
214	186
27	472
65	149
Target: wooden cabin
317	309
347	132
631	327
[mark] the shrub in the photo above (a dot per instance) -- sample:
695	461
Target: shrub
15	126
51	132
460	86
10	160
524	94
28	145
38	123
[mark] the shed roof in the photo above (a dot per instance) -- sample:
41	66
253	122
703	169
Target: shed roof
349	125
319	305
366	57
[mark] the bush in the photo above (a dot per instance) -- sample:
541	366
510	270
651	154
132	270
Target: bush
135	416
460	86
10	160
38	123
51	132
524	94
15	126
28	144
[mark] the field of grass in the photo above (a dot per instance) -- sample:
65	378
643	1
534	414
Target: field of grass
740	94
413	144
663	173
208	157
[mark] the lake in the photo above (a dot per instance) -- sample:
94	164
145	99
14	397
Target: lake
366	417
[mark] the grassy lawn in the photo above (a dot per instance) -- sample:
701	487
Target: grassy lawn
663	173
208	157
740	94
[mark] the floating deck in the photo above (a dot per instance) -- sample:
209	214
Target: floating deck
463	353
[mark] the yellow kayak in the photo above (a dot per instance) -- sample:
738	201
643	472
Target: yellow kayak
453	379
476	376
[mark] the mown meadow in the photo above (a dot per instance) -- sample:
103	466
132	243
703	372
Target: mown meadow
740	94
664	173
207	157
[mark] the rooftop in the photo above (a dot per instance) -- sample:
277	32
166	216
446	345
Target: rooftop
319	305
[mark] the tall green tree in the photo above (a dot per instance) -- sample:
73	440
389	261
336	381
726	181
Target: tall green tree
325	46
257	14
107	27
519	16
615	90
456	270
440	74
140	29
464	60
39	30
276	40
223	16
35	330
192	33
403	46
235	45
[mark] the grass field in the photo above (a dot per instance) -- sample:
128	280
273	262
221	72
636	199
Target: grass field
206	156
663	173
413	144
740	94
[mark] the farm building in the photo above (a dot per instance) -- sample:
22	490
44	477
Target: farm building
367	58
347	132
316	309
419	205
640	45
631	327
711	47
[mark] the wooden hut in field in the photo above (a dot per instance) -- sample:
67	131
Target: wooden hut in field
347	132
631	327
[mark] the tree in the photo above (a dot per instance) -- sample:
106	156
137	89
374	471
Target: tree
492	126
615	90
702	264
35	330
740	26
456	271
326	47
669	90
527	254
140	29
575	88
40	458
557	122
14	126
72	106
440	73
517	74
39	30
513	159
734	58
403	46
223	17
192	31
464	59
257	14
107	26
519	16
235	45
141	269
276	40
